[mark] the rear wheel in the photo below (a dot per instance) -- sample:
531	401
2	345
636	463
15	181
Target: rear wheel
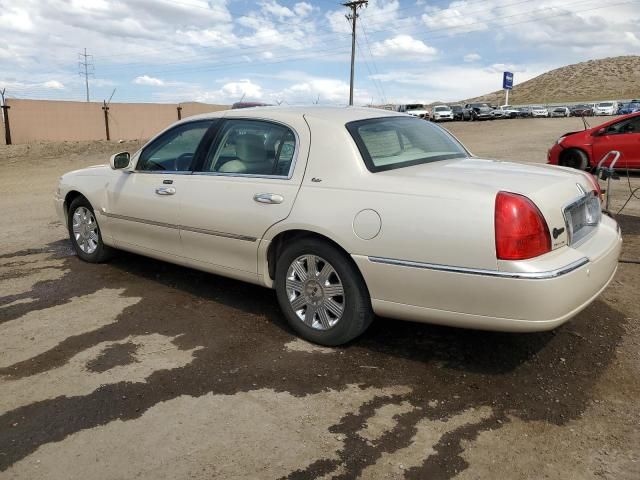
84	232
575	159
321	293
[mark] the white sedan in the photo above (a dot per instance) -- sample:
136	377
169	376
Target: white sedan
351	212
441	113
538	111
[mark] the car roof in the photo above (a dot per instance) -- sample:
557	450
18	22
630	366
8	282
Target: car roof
342	115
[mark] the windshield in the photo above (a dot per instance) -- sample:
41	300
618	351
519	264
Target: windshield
442	109
537	107
605	104
395	142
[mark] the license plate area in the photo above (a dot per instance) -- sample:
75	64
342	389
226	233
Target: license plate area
582	217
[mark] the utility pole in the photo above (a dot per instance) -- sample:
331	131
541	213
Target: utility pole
354	6
5	117
86	68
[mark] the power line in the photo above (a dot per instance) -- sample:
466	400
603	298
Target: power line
86	64
425	33
375	67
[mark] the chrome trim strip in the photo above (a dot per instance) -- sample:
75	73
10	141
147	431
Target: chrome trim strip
204	231
478	271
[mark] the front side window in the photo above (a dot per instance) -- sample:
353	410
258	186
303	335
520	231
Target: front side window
174	150
252	147
395	142
627	126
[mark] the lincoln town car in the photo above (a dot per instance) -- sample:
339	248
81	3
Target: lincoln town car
350	213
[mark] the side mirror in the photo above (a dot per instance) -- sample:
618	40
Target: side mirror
600	131
120	160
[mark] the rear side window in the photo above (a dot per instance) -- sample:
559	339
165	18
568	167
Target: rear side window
396	142
252	147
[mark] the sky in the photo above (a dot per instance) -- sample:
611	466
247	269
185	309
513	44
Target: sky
298	52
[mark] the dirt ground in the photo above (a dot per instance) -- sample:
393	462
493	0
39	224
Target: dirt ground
141	369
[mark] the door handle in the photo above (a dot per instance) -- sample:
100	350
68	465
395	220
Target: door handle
268	198
166	190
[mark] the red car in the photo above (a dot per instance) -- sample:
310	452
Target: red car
585	148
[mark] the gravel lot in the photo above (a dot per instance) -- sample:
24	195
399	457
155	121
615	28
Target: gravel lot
138	368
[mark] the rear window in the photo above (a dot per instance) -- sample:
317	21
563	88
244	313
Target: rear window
396	142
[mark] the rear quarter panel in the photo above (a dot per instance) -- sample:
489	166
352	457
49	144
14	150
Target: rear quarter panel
426	222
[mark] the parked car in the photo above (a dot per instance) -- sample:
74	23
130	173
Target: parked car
585	148
629	108
560	112
606	108
524	112
418	111
458	113
441	113
506	111
538	111
338	226
581	111
477	111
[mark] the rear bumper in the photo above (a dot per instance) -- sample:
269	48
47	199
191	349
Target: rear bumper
549	291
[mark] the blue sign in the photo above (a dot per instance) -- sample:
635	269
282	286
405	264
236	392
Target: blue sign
507	80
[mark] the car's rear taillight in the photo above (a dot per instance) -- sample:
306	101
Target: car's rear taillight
521	231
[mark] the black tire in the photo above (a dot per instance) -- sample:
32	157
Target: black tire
102	252
357	313
574	158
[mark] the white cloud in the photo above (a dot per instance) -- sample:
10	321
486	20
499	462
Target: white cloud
452	83
378	14
303	8
456	18
149	81
277	10
403	46
471	57
53	84
250	90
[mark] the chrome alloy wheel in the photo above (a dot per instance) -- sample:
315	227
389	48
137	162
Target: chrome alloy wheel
85	230
315	292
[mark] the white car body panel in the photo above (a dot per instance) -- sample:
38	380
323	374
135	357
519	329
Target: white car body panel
433	258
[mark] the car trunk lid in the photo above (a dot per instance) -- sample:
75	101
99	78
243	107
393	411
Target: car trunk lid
553	189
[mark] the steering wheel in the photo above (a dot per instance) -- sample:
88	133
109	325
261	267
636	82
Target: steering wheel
182	162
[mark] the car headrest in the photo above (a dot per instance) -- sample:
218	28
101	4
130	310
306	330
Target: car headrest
250	148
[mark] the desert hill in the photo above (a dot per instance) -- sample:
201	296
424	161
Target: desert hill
613	78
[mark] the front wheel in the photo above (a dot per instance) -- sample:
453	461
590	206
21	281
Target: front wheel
321	293
84	232
575	159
